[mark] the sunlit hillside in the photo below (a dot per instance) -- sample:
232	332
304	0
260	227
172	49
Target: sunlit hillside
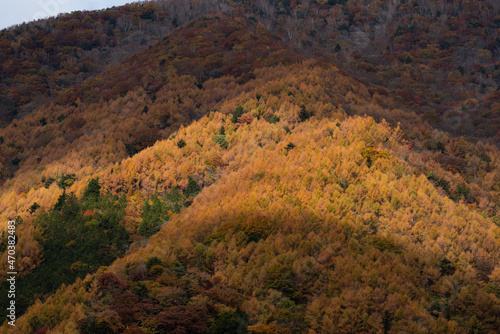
227	176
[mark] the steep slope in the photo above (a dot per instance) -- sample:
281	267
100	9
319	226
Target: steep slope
164	87
282	194
293	93
287	97
326	226
440	59
40	60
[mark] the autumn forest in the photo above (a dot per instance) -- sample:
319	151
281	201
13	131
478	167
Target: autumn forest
279	167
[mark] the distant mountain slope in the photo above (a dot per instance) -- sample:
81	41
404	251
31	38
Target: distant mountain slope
41	59
160	96
440	59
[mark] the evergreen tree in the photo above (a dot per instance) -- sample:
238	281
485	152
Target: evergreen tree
192	189
231	322
93	191
237	114
154	214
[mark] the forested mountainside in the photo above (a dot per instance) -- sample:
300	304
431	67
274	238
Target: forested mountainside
254	167
42	59
439	58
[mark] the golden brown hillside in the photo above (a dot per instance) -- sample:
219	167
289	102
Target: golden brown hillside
252	167
308	220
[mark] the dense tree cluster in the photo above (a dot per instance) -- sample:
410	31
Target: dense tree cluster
42	59
383	246
203	177
439	58
76	237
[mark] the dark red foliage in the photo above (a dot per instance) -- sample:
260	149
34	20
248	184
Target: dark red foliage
133	310
126	305
110	283
183	319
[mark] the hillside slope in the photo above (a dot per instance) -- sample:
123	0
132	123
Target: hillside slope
335	233
263	167
42	59
293	92
324	223
156	89
437	58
